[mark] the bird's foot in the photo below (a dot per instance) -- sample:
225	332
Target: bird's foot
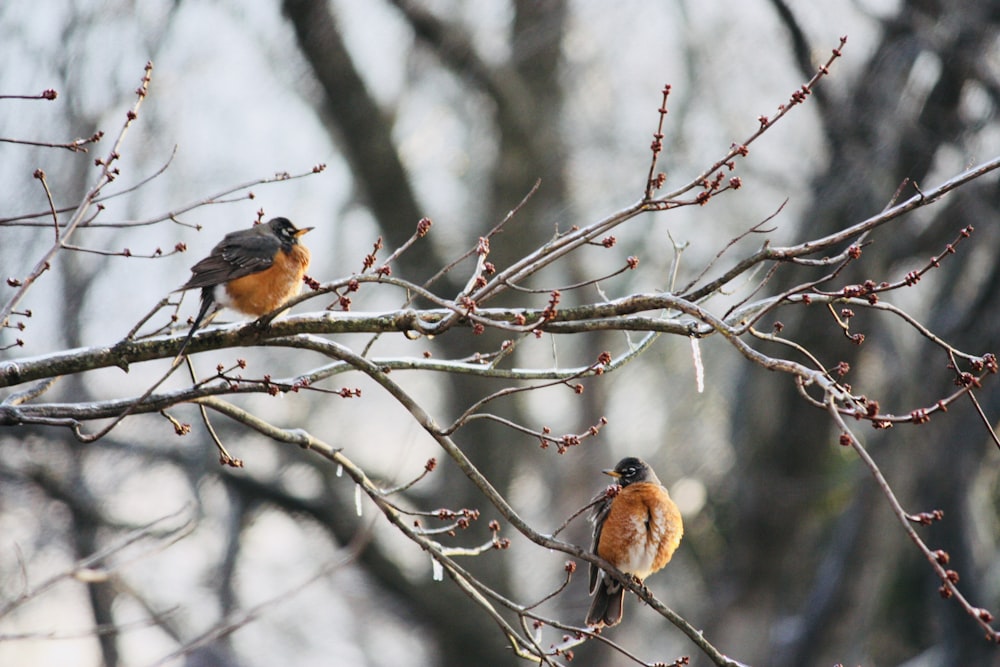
638	582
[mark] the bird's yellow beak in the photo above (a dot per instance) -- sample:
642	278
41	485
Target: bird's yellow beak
303	231
612	472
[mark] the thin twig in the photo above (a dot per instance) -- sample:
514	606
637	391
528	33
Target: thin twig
107	175
947	577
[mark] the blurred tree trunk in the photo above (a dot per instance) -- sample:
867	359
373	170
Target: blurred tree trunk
523	157
790	537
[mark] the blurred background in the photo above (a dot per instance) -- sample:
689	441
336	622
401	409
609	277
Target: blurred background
452	110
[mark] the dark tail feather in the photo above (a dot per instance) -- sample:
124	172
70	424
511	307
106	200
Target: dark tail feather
207	301
606	608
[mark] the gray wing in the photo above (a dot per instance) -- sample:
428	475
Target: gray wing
598	516
237	255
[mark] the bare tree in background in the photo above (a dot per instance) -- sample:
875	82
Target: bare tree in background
938	463
878	315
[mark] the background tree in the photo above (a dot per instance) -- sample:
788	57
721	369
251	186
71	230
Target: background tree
787	533
920	116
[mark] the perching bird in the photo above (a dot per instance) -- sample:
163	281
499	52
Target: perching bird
252	271
637	531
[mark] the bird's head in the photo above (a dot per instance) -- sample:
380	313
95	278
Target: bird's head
286	232
631	470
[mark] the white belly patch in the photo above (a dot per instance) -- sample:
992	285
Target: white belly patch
640	558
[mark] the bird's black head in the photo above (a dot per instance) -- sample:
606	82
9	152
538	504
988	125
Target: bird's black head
631	470
286	232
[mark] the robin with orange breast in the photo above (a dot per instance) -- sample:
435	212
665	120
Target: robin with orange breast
636	530
252	271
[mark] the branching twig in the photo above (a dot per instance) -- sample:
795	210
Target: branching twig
108	174
937	559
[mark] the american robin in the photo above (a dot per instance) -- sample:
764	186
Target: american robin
252	271
636	530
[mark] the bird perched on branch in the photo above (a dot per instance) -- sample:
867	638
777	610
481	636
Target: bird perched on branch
637	530
252	271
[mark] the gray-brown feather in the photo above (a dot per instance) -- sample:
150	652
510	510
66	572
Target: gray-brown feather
237	255
599	514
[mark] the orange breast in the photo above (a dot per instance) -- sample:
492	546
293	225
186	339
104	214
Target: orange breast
642	530
262	292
